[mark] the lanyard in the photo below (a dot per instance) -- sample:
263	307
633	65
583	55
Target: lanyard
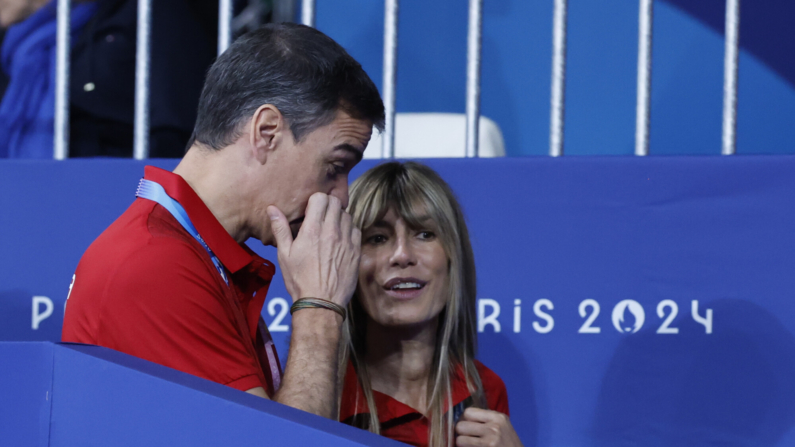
153	191
150	190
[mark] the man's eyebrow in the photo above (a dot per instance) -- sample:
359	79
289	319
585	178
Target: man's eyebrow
349	148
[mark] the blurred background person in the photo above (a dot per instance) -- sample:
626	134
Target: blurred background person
27	83
102	82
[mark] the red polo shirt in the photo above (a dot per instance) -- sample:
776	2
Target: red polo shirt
405	424
146	287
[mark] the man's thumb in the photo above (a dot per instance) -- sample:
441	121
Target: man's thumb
280	228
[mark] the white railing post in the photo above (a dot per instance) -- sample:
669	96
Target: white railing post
391	8
558	79
225	14
143	47
643	106
474	43
308	12
730	63
61	131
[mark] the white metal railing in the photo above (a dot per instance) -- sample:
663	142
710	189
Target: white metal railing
643	106
61	131
225	14
474	49
143	47
730	77
557	102
308	12
474	41
391	8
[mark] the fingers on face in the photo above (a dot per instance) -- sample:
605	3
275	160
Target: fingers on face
333	214
356	237
280	228
346	224
316	209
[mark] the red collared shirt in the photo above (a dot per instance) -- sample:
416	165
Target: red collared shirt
402	422
146	287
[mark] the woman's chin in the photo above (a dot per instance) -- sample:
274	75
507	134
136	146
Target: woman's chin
407	322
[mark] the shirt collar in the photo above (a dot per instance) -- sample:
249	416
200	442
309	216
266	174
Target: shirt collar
354	402
232	255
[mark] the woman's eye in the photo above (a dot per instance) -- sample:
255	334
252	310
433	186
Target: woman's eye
426	235
376	239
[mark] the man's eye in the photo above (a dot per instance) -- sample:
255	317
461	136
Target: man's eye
336	169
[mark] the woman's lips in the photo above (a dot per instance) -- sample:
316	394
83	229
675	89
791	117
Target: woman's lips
404	288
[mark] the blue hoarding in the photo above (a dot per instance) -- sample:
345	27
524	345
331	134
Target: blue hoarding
624	301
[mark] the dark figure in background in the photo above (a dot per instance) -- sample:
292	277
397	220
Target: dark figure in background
102	86
103	76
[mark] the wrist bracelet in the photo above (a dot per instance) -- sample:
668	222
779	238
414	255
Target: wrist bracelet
317	303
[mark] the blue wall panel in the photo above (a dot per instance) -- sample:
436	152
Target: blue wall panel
663	232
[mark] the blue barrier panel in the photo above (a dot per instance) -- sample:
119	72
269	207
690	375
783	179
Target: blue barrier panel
624	301
97	396
25	393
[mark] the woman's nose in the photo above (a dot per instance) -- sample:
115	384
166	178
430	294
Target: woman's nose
403	255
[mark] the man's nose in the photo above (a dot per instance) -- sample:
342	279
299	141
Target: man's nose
340	191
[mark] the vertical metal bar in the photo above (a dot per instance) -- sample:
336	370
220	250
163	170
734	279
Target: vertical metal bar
730	64
225	14
558	79
474	41
61	131
142	58
308	12
643	106
390	75
284	10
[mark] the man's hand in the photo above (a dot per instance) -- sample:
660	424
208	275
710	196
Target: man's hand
323	260
485	428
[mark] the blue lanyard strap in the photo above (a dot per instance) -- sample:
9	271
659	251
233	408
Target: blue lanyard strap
150	190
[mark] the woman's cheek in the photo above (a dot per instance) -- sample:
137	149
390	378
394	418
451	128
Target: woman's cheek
366	269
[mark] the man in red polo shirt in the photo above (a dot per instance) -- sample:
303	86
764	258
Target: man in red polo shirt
284	116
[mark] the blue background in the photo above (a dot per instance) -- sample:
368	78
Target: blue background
713	229
687	70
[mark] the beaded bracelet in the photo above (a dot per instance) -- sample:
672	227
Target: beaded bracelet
317	303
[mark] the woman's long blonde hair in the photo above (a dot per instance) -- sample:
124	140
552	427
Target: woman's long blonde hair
415	191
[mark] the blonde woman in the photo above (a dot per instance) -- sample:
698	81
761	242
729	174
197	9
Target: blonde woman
408	366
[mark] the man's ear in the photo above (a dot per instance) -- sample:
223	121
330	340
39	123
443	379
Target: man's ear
267	131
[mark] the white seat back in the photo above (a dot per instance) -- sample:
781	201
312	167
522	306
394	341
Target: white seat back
437	135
